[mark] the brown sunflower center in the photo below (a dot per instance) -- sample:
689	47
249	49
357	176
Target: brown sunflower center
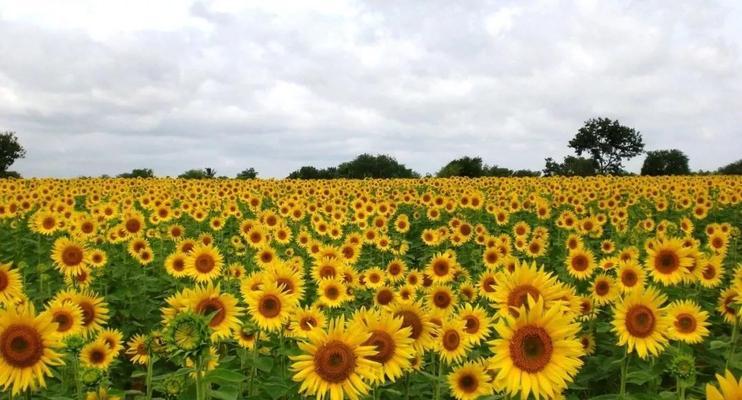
384	344
468	383
518	297
580	263
288	284
308	323
72	256
328	271
48	223
411	319
629	278
451	340
332	292
666	261
64	321
21	346
97	356
441	299
709	272
384	297
269	306
334	362
472	324
88	313
205	263
531	348
178	264
489	284
441	267
4	281
640	321
215	307
685	323
602	288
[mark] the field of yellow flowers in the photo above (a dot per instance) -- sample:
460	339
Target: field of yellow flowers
543	288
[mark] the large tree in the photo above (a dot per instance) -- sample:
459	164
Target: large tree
571	166
138	173
471	167
10	150
370	166
734	168
608	143
249	173
665	162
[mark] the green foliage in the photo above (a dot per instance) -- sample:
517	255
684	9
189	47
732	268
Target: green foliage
138	173
608	143
309	172
665	162
249	173
206	173
10	150
734	168
473	167
363	166
571	166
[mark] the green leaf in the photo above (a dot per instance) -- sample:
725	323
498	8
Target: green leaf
225	393
264	364
718	344
222	376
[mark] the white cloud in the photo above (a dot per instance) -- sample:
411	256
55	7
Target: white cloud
104	86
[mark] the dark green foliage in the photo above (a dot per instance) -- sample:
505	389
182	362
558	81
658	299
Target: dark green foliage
249	173
608	143
473	167
10	150
206	173
734	168
138	173
571	166
308	172
363	166
665	162
10	174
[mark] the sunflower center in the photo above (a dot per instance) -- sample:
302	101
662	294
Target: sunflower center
384	344
4	281
288	285
97	356
211	306
332	292
666	261
629	278
21	346
178	265
384	297
518	297
580	262
72	256
63	320
531	348
411	319
602	288
334	362
88	313
308	323
488	284
468	383
640	321
395	269
205	263
327	271
133	225
440	268
48	223
441	299
451	340
270	306
709	272
685	323
472	324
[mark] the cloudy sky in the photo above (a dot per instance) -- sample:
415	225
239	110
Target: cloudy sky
100	87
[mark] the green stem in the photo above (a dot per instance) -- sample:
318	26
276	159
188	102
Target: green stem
733	342
407	387
624	369
254	368
437	387
150	369
199	379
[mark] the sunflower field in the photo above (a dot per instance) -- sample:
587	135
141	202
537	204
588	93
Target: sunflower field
492	288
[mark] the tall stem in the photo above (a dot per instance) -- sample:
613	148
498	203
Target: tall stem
150	369
624	369
76	372
199	379
254	368
733	342
437	387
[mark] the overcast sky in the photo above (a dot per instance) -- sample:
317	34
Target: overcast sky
100	87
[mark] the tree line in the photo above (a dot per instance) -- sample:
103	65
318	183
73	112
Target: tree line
601	146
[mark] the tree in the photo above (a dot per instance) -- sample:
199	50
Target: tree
608	143
194	174
571	166
734	168
10	150
369	166
309	172
471	167
249	173
138	173
665	162
209	173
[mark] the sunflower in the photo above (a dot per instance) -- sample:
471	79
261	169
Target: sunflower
452	342
470	381
307	320
731	388
538	351
291	279
67	315
209	301
414	317
44	222
442	267
326	268
11	285
384	296
689	322
477	324
204	263
587	340
604	289
28	345
69	256
630	276
441	299
580	263
726	301
136	349
270	306
246	337
640	322
710	271
667	261
96	354
332	292
336	362
94	311
175	264
374	278
512	290
391	340
113	339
